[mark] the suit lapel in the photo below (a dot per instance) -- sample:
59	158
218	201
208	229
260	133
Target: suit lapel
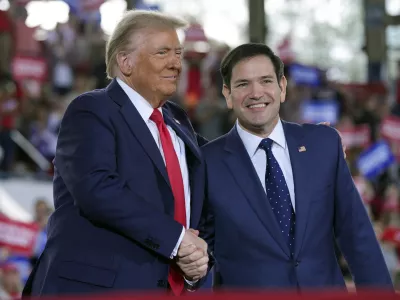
137	126
195	167
182	133
242	169
146	140
300	161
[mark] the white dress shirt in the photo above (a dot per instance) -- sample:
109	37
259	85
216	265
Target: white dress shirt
145	110
259	157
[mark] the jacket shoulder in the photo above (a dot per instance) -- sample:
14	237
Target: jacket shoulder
313	130
93	101
177	111
215	145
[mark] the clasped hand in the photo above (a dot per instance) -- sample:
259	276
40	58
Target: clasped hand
192	257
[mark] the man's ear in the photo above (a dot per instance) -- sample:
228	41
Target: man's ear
227	94
283	85
124	63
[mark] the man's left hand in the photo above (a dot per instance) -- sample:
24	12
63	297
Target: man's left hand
193	262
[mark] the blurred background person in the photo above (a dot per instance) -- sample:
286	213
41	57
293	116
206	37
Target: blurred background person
10	282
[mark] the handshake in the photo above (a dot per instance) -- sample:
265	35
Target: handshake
192	256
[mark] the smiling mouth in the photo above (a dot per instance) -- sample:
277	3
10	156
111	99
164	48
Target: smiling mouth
258	105
170	77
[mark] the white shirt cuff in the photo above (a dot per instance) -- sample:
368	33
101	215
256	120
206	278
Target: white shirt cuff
189	282
175	251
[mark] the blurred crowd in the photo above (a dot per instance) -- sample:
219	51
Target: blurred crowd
15	267
363	111
74	60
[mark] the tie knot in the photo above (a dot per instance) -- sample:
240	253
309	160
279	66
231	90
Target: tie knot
157	117
266	144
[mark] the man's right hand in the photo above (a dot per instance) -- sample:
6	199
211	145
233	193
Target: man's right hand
192	257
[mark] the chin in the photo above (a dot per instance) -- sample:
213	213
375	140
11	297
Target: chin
169	93
257	125
258	122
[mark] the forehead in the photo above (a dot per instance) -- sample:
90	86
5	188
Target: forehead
260	65
156	38
41	205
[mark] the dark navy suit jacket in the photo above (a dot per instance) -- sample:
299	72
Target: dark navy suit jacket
113	227
245	238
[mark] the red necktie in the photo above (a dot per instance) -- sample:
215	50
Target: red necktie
175	279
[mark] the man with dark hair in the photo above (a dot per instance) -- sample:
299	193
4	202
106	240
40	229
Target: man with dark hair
279	194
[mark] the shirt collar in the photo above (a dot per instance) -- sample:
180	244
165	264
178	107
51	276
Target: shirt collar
142	105
252	142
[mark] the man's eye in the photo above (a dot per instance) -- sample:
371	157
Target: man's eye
267	81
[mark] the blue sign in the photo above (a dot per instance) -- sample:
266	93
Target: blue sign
315	111
304	75
23	265
375	160
40	242
375	14
143	5
75	9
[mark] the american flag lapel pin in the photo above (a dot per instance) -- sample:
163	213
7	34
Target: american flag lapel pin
302	149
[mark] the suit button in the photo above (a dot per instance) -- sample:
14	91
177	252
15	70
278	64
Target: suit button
161	283
296	264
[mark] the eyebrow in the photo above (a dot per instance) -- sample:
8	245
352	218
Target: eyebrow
241	80
169	48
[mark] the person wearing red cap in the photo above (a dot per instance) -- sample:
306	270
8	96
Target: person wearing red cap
10	284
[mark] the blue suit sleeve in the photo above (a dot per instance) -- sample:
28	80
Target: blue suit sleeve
207	233
354	231
87	162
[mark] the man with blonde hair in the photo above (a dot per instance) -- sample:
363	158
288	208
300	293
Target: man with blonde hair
129	176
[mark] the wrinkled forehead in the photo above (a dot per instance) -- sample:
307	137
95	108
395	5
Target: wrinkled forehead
155	38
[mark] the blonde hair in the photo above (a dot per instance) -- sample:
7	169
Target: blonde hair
131	22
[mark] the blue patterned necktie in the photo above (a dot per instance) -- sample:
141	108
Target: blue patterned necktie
278	195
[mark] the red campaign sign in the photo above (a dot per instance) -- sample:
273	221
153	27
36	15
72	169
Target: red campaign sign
285	51
392	235
24	67
358	136
362	188
91	5
19	237
390	128
364	90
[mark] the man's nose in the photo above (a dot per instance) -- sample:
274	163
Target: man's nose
256	91
176	63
